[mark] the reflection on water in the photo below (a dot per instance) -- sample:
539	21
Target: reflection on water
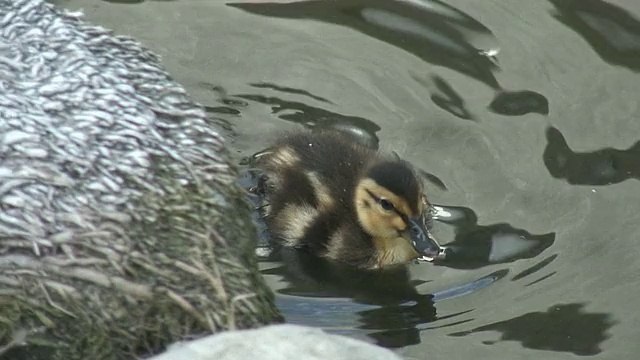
535	268
289	90
613	32
520	103
361	129
600	167
438	34
446	98
312	117
383	305
432	30
475	245
564	327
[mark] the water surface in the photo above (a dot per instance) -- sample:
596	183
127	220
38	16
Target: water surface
524	114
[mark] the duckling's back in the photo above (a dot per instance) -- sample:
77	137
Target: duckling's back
313	166
311	179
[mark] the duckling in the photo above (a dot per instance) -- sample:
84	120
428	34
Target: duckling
343	201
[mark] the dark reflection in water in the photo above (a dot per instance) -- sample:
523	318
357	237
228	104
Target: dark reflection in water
383	304
475	245
542	278
386	301
311	117
222	95
600	167
432	30
289	90
217	114
611	31
446	98
520	103
311	275
562	328
222	110
535	268
434	33
433	179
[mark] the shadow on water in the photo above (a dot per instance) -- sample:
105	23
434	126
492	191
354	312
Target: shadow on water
314	117
535	268
383	304
611	31
446	98
432	30
289	90
476	246
311	117
600	167
362	130
562	328
517	103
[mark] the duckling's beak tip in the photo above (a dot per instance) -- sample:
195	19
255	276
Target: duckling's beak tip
424	243
433	256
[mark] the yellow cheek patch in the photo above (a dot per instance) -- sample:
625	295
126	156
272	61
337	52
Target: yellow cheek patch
399	203
376	221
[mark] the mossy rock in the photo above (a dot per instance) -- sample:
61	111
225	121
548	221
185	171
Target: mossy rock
122	228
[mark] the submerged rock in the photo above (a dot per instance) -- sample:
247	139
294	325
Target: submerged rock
122	229
277	342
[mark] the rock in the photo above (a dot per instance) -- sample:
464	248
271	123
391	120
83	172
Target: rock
122	229
277	342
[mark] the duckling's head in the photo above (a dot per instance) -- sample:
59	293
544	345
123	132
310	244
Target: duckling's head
392	209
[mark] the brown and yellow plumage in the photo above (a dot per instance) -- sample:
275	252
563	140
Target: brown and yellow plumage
344	201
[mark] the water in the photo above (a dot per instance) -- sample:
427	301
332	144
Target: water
522	114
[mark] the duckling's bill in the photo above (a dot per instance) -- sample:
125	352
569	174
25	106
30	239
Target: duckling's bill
422	240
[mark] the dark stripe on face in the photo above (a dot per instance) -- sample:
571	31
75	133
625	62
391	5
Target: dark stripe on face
404	217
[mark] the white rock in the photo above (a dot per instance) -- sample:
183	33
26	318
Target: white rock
276	342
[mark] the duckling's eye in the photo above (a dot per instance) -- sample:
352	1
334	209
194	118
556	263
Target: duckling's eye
386	204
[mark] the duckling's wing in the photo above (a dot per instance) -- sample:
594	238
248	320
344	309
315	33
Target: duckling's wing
328	159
